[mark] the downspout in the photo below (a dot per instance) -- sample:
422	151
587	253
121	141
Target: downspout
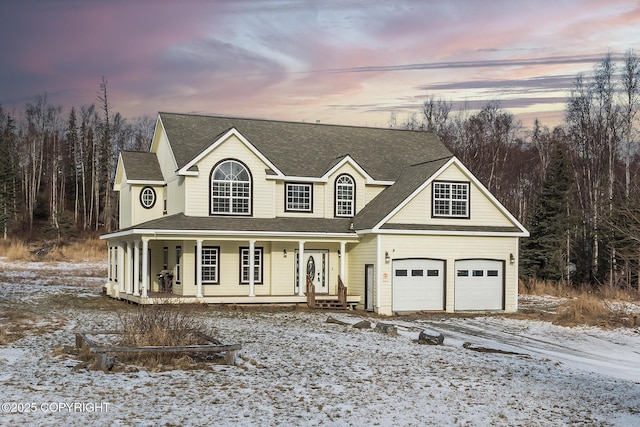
378	272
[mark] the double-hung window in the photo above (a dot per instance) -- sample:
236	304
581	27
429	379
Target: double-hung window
298	197
230	189
345	192
257	266
451	199
210	264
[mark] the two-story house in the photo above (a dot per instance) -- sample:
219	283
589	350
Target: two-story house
247	211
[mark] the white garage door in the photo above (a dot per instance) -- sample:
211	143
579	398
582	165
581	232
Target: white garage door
479	285
418	284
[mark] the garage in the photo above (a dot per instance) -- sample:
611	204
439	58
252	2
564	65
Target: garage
418	284
479	285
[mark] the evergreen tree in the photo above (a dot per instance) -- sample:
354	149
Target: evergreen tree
8	173
544	253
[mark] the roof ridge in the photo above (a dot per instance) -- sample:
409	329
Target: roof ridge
257	119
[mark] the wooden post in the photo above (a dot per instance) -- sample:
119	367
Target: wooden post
79	341
230	358
311	293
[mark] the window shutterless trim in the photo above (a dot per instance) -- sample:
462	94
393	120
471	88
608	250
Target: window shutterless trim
286	197
230	213
335	196
450	200
260	267
217	265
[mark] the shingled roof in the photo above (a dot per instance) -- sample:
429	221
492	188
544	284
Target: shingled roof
141	166
384	203
305	149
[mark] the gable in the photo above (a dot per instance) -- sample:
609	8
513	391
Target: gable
482	211
415	212
231	147
135	167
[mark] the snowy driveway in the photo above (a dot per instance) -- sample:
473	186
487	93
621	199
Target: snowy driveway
296	369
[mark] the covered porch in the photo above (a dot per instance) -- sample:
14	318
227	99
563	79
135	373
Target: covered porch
218	268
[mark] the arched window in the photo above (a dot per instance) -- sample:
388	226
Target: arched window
345	196
230	188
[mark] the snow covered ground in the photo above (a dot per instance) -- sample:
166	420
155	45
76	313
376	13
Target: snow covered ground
296	369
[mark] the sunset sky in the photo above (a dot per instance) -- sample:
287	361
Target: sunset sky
337	61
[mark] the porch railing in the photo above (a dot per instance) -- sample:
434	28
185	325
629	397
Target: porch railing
311	293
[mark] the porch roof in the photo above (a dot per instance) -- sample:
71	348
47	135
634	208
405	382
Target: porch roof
180	223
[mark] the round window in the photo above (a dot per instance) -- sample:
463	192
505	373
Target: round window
147	197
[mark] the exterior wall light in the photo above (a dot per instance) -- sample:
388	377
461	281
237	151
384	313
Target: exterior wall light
284	253
512	259
387	258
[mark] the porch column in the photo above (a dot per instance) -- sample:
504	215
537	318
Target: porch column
127	264
122	248
110	264
252	267
302	276
136	268
343	245
145	267
199	268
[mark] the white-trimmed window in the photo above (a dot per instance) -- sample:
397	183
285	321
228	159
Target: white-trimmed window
299	197
451	199
178	268
230	189
148	197
210	264
257	266
345	195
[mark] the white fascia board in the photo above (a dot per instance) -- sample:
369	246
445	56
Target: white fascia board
120	174
449	233
412	195
491	197
143	182
173	157
231	132
295	178
231	233
473	179
354	164
325	178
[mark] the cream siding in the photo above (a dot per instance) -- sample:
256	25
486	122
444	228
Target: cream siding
141	214
165	156
450	249
318	201
125	206
197	189
358	255
360	189
482	211
372	191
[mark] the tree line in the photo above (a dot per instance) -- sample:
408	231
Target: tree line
57	169
574	186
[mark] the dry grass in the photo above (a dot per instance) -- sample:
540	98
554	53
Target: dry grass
585	309
163	325
584	305
82	250
15	250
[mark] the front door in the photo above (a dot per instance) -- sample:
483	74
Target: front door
316	263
